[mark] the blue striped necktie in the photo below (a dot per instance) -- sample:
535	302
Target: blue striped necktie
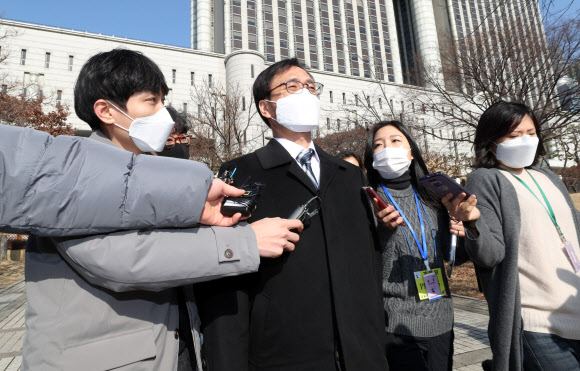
304	158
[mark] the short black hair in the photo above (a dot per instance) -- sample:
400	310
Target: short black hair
417	169
115	75
500	119
261	88
182	124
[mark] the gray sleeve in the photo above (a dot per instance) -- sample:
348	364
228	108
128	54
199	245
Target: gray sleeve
488	249
160	259
68	186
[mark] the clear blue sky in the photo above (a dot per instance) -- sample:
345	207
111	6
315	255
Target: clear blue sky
166	22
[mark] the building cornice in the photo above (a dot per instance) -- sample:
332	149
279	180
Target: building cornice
124	40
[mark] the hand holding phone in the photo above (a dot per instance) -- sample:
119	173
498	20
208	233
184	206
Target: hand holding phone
442	185
372	195
386	214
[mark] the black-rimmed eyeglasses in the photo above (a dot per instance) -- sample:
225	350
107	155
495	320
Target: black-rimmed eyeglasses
296	87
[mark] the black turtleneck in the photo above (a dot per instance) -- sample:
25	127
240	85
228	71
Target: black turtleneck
400	182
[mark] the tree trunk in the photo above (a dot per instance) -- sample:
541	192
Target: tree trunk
3	247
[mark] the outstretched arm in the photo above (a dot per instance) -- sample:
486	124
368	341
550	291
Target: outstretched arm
68	186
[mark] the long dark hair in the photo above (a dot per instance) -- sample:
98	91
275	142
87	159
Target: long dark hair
417	168
500	119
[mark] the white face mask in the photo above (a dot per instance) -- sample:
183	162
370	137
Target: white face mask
391	162
149	133
517	153
299	112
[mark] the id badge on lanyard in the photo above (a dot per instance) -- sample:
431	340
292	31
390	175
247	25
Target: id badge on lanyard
430	284
567	246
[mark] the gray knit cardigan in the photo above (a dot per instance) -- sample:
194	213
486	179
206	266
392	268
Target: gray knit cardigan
495	254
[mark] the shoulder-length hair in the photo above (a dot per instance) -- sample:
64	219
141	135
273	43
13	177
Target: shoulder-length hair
500	119
417	169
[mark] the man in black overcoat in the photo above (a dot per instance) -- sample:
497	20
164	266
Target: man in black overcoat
318	307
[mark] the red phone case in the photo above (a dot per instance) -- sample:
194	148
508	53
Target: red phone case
372	194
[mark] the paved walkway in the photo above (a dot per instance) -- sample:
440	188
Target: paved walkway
12	304
471	344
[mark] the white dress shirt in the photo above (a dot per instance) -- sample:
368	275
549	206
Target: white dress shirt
295	149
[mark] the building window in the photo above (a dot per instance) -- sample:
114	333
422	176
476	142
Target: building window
47	60
26	83
71	59
331	100
209	78
173	75
343	98
4	88
252	70
243	103
58	97
192	78
23	57
169	97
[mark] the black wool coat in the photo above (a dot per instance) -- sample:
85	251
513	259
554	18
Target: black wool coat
299	309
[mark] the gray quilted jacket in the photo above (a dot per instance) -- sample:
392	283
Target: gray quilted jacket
109	301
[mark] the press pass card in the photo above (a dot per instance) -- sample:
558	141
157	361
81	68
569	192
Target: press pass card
430	284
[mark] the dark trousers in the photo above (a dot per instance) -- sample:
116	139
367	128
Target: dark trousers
550	352
413	353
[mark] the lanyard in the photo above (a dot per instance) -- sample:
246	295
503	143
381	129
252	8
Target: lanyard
421	246
548	209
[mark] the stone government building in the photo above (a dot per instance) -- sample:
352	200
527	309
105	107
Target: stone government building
351	46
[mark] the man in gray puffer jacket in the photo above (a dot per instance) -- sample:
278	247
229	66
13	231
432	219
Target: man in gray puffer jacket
110	301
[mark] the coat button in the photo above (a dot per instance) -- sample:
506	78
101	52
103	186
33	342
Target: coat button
176	334
229	253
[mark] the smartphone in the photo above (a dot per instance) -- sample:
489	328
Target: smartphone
442	184
372	194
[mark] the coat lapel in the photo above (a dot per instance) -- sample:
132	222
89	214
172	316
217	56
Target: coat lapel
328	168
274	155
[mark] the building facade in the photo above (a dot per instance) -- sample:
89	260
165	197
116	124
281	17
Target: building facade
365	52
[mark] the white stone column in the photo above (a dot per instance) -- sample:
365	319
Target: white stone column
260	25
394	42
238	66
426	37
345	45
204	25
227	27
319	38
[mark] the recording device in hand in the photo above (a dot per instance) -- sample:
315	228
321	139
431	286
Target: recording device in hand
243	204
442	185
307	210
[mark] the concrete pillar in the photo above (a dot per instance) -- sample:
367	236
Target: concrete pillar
426	37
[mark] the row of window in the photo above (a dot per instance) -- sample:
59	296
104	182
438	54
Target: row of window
47	56
192	78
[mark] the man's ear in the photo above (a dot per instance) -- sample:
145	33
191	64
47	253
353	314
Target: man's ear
264	109
103	112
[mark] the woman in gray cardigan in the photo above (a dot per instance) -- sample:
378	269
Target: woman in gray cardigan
527	249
